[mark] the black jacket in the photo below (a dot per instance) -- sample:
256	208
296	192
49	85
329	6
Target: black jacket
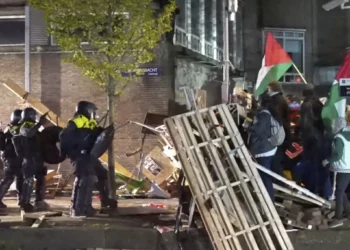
27	144
280	102
311	124
6	146
260	132
76	139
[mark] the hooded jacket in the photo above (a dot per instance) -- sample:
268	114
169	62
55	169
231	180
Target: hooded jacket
280	102
259	134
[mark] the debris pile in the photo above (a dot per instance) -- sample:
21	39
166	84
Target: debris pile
297	216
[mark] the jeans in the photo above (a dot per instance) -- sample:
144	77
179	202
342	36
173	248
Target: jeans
341	200
276	165
267	179
313	175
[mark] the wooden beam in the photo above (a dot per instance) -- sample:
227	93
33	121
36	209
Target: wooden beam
38	222
54	118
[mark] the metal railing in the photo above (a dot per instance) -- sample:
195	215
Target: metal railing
193	42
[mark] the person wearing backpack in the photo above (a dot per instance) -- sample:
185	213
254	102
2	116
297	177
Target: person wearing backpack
265	135
280	102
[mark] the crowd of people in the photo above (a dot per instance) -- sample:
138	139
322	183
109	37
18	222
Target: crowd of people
278	121
22	156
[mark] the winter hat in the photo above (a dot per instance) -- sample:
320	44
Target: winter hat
338	124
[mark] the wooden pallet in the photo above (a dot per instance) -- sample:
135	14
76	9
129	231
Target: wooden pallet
236	210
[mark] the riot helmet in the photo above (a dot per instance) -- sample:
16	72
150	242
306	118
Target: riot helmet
29	114
87	109
16	117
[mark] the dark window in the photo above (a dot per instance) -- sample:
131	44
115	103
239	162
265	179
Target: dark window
12	31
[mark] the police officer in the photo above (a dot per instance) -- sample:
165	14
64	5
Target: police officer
27	146
12	163
77	141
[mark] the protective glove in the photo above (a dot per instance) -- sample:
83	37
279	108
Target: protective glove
325	162
43	118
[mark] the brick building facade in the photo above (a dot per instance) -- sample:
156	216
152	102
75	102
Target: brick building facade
60	85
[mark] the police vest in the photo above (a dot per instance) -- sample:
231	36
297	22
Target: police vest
83	122
28	124
12	129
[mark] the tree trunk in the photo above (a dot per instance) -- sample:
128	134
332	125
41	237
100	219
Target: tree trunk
111	161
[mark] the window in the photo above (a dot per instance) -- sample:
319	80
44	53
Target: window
293	41
326	75
12	31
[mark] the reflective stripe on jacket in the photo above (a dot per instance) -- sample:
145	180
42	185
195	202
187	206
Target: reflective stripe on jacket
83	122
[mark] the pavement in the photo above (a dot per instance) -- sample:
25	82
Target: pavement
135	226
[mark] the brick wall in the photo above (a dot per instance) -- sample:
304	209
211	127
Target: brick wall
60	86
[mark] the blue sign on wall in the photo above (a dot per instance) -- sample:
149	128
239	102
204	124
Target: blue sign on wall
149	71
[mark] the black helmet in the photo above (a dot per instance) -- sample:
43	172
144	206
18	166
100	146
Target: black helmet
29	114
16	116
87	109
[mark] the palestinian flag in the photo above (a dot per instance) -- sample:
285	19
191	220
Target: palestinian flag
275	64
336	105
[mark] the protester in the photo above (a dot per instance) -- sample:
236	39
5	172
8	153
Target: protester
260	142
340	165
316	178
279	101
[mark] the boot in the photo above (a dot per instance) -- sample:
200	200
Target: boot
106	202
4	187
79	196
40	188
74	193
26	193
19	186
2	205
90	211
27	207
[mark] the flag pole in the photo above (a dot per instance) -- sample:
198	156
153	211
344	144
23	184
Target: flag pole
298	71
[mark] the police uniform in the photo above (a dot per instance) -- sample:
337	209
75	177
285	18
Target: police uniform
12	163
28	147
77	140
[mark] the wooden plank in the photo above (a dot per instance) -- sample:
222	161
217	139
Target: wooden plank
50	175
38	222
294	185
38	215
54	118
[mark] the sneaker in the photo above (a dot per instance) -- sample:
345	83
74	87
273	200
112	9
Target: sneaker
336	223
2	205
